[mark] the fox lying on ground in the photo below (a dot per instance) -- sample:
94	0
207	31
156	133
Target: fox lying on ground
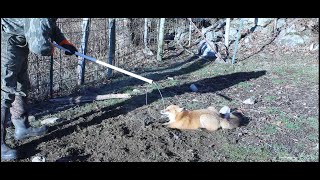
209	118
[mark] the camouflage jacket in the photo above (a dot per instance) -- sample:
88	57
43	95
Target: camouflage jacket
38	32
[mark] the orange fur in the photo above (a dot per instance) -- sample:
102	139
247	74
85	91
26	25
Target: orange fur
209	119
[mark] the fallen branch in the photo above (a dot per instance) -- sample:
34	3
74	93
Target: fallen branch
81	99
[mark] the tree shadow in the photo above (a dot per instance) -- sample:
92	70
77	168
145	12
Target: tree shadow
275	35
174	65
173	55
213	84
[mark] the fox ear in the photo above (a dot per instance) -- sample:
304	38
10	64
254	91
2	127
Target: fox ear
180	109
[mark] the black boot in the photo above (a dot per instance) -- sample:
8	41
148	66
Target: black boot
24	130
6	152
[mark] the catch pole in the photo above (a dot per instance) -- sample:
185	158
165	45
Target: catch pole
107	65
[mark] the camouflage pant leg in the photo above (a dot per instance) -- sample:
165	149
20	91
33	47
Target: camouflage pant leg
14	63
20	103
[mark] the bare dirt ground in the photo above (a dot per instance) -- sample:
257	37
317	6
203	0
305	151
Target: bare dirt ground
282	125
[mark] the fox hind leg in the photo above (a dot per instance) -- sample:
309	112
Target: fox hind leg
209	121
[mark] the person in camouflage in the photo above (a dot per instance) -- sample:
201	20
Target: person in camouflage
18	37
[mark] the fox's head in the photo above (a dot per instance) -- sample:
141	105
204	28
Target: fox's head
171	111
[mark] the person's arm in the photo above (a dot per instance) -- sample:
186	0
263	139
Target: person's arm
57	35
40	31
60	39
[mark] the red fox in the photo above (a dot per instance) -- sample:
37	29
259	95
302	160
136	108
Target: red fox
209	119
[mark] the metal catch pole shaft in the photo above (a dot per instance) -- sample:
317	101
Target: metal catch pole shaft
107	65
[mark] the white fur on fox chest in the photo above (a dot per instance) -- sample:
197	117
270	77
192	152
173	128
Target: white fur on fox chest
172	118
